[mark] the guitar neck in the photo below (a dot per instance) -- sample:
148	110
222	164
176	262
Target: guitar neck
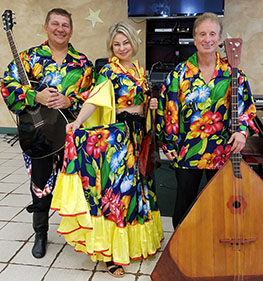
19	64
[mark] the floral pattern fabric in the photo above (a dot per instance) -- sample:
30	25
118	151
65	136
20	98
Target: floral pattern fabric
72	78
193	117
129	90
101	170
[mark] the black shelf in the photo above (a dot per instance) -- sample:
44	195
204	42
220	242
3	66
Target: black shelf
168	41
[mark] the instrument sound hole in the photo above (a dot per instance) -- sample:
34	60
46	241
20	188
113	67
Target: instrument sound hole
236	204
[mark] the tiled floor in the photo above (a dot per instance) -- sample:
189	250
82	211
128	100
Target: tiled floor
61	263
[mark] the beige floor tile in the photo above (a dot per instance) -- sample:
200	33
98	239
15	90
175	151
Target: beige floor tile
9	249
167	224
149	264
2	266
7	213
71	259
16	178
21	170
14	231
2	224
23	216
23	188
67	275
16	200
55	218
23	273
53	236
104	276
25	256
8	187
17	162
167	236
145	278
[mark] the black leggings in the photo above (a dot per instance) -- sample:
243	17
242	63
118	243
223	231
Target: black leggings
188	181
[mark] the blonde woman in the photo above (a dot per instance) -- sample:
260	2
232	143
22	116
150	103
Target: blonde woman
119	219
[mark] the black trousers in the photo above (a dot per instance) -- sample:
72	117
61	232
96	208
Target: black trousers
41	170
188	182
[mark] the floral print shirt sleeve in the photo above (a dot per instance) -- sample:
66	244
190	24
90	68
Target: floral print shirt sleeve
129	90
193	118
72	78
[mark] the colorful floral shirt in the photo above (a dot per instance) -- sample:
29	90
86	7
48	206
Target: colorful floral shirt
72	78
193	118
129	90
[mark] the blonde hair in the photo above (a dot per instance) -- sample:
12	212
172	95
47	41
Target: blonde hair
208	16
128	31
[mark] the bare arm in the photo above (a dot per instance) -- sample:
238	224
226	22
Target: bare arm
85	112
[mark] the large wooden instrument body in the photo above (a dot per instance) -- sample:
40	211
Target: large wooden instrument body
221	238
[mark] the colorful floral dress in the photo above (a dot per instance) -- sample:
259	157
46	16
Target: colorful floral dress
193	118
109	209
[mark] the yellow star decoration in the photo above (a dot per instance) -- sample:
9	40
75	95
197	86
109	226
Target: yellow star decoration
94	17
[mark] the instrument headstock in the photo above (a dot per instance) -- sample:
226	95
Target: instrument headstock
8	19
233	50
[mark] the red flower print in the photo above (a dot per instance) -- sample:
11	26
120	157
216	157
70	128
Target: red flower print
97	142
22	97
112	202
70	152
222	154
4	91
85	182
207	125
171	118
183	151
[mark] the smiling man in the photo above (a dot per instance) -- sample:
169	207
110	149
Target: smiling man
193	117
68	75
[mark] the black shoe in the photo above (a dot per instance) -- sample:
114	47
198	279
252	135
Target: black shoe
39	248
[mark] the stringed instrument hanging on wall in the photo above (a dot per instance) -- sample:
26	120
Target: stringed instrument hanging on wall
221	238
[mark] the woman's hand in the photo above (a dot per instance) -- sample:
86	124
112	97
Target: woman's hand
72	127
238	142
153	103
171	155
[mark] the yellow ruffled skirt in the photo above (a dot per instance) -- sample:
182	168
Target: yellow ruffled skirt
98	237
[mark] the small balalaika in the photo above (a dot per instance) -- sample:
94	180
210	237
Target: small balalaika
41	130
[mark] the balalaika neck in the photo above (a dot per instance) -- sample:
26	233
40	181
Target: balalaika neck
235	158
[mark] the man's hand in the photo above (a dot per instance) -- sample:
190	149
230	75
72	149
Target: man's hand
238	142
52	99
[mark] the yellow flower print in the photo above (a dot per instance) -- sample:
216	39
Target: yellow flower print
125	204
131	158
36	69
206	161
191	70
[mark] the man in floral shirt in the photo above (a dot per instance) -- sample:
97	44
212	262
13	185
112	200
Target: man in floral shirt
193	117
69	76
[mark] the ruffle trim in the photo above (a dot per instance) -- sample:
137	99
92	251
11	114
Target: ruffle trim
98	237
